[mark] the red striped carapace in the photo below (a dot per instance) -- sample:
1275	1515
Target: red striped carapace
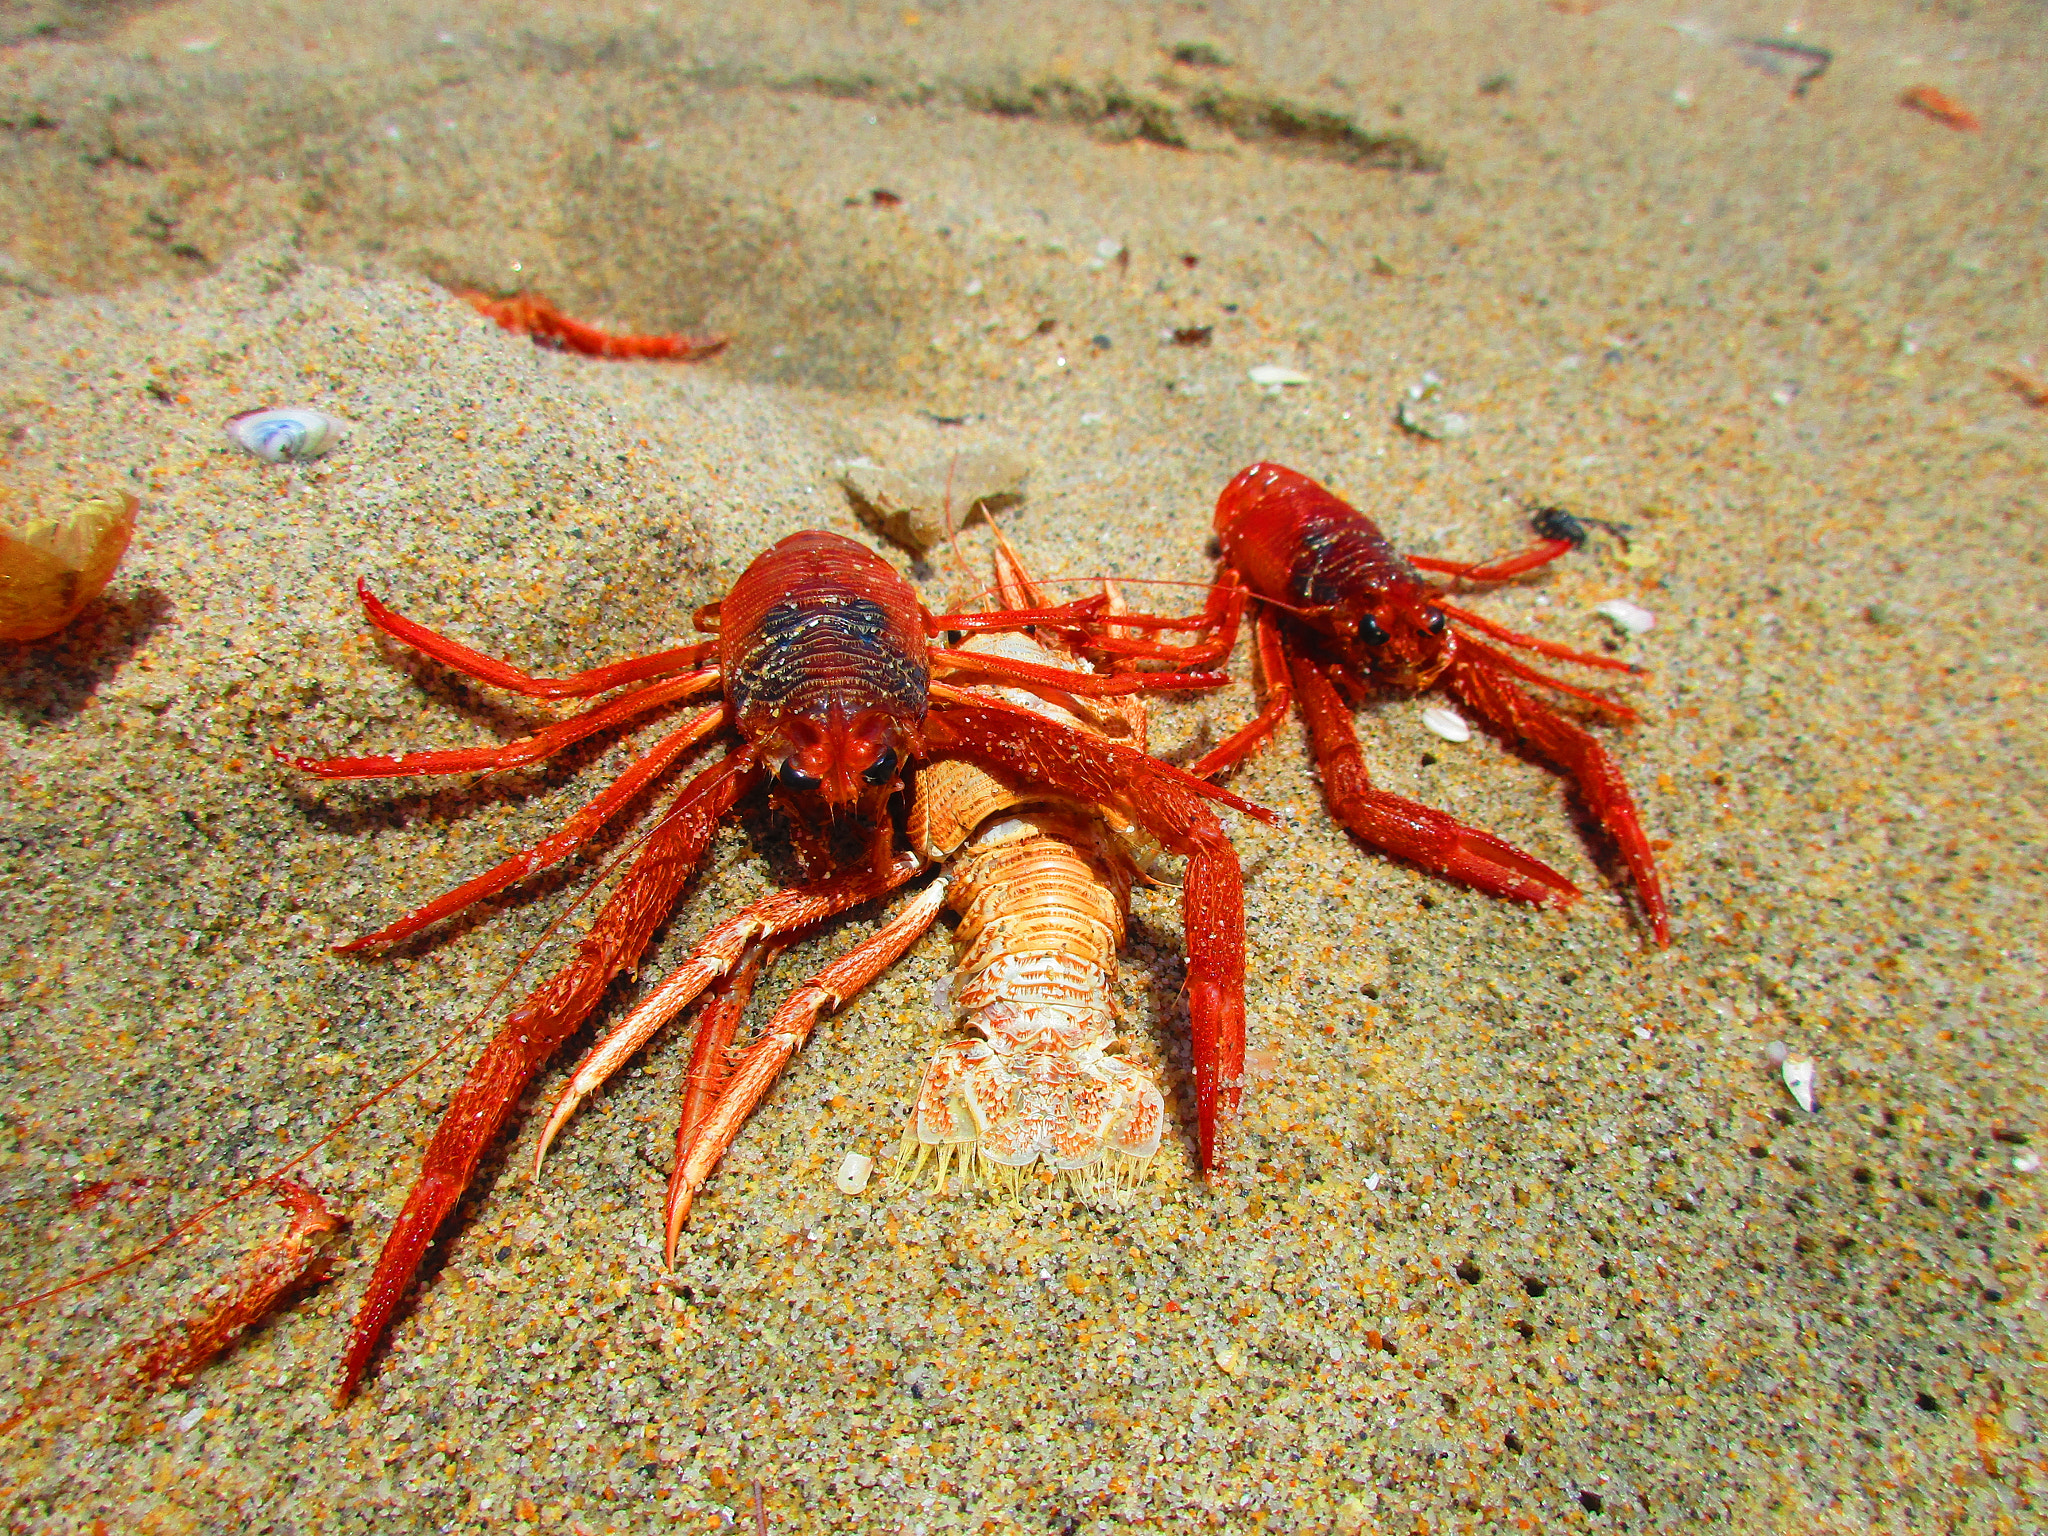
824	659
1348	613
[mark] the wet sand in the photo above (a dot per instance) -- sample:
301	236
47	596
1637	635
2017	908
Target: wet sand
1526	1232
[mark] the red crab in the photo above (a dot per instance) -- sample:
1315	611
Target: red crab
1345	614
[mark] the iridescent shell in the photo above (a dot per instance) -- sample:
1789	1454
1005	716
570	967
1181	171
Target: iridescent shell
287	432
51	567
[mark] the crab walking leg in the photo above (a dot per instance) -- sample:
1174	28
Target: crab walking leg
1090	685
531	1033
716	953
575	832
511	754
1439	842
1247	739
1486	626
1502	569
1473	651
1168	803
1518	717
504	675
717	1022
756	1071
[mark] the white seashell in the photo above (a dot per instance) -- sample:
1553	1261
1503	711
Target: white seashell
2026	1162
1273	376
290	432
1626	616
1447	723
852	1176
1798	1074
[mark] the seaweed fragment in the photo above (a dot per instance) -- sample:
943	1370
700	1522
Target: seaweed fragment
1111	111
1294	129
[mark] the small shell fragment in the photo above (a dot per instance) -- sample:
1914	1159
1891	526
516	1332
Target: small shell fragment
1798	1075
1626	616
1230	1360
918	509
1421	413
1447	723
1273	376
287	433
852	1176
51	567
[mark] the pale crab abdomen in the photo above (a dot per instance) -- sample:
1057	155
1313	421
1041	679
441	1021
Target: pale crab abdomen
1042	915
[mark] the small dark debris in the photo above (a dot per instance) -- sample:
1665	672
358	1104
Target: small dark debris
1513	1442
1778	56
1606	1271
1497	85
1046	327
1925	1402
1099	342
1985	1199
2010	1137
1199	56
1589	1500
1860	1175
1193	335
1537	1287
1189	260
158	393
1429	759
1469	1272
1525	1328
946	421
1557	523
882	197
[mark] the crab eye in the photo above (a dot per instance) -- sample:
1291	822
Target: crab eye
878	772
792	776
1437	622
1369	631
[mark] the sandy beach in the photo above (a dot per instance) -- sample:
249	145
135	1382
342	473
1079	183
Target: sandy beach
1526	1232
